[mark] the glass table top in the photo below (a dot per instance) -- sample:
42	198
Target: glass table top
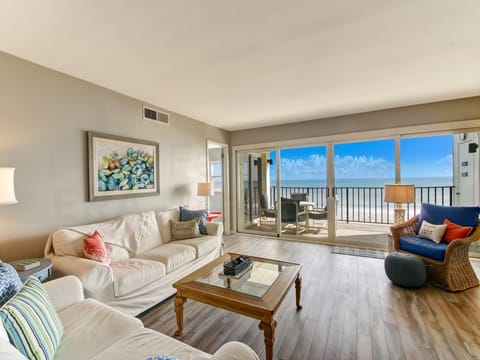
254	282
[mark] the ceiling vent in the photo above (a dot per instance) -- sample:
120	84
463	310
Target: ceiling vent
152	114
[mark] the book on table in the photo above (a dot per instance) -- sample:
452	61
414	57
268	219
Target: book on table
27	264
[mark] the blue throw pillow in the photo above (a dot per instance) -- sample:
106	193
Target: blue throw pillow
461	215
187	214
10	283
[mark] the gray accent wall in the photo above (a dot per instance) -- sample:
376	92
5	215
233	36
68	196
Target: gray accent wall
44	119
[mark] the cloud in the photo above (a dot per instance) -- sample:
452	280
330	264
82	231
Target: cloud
362	167
446	161
346	167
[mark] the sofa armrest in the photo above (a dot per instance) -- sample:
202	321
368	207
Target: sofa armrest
64	291
235	350
93	274
214	228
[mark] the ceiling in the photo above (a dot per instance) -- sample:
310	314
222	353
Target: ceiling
244	64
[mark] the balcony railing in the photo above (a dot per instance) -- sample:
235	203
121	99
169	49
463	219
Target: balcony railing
366	204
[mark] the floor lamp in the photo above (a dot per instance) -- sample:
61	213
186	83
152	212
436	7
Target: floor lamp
205	189
399	193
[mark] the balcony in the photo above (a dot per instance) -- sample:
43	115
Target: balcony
362	215
366	204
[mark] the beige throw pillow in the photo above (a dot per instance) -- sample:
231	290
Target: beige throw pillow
432	232
185	229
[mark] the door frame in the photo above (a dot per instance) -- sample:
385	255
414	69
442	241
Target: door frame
225	180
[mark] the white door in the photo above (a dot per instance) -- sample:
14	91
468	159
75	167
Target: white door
466	168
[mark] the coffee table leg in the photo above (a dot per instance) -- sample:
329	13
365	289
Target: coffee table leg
179	301
298	290
269	333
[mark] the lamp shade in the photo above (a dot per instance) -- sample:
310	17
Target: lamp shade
205	189
7	189
400	193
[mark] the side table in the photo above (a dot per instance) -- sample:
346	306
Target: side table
42	272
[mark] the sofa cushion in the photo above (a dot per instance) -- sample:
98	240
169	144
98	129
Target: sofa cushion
69	241
461	215
90	327
187	214
124	236
172	255
202	245
149	236
31	321
132	274
424	247
144	343
163	222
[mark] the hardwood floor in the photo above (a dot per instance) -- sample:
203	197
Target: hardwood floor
350	311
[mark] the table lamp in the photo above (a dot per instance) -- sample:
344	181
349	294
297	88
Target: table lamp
205	189
399	193
7	189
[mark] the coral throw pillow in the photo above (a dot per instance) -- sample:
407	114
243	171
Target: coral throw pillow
94	248
455	231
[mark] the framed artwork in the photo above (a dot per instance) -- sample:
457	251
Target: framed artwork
121	167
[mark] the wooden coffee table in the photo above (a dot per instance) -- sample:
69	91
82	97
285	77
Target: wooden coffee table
258	293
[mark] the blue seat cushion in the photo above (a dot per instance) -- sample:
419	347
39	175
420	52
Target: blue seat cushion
461	215
423	247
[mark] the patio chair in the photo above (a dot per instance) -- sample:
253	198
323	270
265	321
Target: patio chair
291	213
265	211
448	264
299	197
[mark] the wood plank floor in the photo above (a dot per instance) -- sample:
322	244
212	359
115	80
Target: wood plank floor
350	311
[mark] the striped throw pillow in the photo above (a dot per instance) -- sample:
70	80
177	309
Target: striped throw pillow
31	321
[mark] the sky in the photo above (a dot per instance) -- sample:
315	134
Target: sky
420	157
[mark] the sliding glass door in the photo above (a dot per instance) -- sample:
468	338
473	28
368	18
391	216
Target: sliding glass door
256	207
304	193
335	192
361	171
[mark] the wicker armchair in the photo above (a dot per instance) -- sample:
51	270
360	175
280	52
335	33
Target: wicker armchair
454	273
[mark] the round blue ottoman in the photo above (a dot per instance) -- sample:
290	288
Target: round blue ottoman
405	270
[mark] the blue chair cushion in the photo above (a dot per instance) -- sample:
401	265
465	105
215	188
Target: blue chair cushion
10	282
424	247
461	215
187	215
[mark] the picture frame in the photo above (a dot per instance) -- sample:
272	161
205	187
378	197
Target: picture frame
122	167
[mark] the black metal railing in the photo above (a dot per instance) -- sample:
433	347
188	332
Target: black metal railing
365	204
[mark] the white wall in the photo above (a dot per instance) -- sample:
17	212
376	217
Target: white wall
44	117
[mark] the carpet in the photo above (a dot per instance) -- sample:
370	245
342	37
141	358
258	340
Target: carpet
354	251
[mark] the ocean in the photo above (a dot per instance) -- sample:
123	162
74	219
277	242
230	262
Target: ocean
367	182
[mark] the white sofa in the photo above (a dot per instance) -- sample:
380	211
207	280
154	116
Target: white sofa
144	261
93	330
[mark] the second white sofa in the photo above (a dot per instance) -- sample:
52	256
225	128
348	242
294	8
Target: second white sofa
145	262
92	330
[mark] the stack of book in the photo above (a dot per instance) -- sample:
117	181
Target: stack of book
27	264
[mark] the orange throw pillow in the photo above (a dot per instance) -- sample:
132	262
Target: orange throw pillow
94	248
455	231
